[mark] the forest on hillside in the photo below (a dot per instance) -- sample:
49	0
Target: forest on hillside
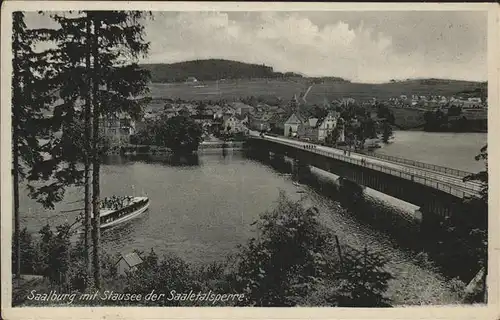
212	69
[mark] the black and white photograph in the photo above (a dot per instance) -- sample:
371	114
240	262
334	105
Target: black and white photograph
246	158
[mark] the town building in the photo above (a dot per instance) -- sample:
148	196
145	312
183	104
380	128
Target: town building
475	103
117	128
292	125
243	119
326	125
318	129
242	108
277	122
218	114
227	110
308	130
234	123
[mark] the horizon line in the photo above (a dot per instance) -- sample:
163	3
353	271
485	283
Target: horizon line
304	75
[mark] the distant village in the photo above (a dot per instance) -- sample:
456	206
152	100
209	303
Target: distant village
237	118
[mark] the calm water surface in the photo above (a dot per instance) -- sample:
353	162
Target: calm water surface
453	150
202	211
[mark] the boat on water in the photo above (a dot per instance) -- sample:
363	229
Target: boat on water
117	210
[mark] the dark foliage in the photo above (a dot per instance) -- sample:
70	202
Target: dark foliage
438	121
387	133
212	69
384	112
294	261
179	133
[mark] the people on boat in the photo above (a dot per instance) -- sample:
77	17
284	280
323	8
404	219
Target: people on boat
116	203
121	206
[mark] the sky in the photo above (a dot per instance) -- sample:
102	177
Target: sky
361	46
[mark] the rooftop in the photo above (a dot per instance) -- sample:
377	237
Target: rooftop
132	259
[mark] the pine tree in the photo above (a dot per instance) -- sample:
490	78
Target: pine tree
90	66
96	232
116	84
18	29
67	150
87	138
30	97
64	149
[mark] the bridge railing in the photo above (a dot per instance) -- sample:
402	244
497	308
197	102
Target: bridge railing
418	164
412	175
418	176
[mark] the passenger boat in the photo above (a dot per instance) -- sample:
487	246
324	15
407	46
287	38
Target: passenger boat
116	210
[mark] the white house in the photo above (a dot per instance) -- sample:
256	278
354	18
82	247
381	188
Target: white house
292	125
231	124
127	263
327	125
218	114
474	99
318	129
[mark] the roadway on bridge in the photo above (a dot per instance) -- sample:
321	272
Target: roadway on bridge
470	187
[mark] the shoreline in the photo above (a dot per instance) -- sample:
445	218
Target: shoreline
153	149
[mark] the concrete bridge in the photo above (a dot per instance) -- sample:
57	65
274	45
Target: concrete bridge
437	190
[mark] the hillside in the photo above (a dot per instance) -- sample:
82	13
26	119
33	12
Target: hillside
382	91
212	69
285	89
480	91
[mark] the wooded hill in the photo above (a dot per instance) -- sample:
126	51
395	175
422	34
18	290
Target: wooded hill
212	69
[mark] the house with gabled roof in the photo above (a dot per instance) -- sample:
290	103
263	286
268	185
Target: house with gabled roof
128	262
317	129
326	125
292	124
242	108
280	111
227	110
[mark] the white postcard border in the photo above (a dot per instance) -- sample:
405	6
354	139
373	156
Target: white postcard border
490	311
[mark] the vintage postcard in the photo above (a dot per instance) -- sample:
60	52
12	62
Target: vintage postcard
327	159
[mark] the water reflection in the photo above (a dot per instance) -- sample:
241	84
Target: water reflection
173	160
183	160
125	232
